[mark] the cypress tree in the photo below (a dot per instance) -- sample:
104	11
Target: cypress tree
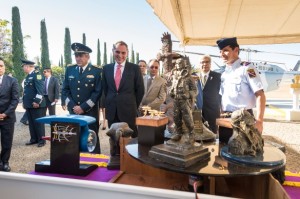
61	61
98	54
132	54
67	48
17	45
83	39
104	55
137	57
45	61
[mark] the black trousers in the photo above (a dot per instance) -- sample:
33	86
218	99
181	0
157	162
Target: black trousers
225	133
132	126
7	133
51	108
36	129
94	112
24	117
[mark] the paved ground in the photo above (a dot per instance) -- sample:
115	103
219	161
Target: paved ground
275	129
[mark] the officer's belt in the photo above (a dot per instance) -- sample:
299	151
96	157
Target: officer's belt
227	114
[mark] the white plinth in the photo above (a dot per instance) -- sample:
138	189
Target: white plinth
292	115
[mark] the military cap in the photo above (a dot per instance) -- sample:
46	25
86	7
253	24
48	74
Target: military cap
222	43
80	48
24	61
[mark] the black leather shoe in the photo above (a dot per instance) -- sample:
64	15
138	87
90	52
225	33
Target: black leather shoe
6	167
30	143
41	144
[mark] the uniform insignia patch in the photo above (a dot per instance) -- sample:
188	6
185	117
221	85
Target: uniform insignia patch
251	72
90	76
39	77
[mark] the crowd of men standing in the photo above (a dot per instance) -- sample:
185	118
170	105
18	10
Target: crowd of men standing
126	88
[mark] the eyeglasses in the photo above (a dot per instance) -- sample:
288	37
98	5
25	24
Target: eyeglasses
154	67
205	62
118	52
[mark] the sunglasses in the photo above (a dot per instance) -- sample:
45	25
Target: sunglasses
119	52
154	67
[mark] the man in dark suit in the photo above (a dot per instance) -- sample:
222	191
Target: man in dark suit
82	88
123	88
9	98
51	90
34	102
208	85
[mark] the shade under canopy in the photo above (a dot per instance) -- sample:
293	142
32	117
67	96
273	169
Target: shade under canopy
202	22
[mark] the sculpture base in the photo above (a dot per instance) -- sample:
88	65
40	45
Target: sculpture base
114	163
205	135
271	156
83	170
178	156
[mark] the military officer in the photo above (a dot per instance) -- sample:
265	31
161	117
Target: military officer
34	102
241	85
82	87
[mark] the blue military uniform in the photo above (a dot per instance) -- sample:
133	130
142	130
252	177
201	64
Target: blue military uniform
33	92
84	89
239	83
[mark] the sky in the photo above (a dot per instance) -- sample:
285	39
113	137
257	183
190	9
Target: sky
132	21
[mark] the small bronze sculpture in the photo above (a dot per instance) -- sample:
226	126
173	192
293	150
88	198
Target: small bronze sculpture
246	139
183	91
116	131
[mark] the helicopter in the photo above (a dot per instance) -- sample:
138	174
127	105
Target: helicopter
271	73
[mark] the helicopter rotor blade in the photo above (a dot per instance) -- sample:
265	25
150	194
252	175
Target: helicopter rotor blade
260	51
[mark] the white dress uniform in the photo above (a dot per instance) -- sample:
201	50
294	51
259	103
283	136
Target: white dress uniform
238	86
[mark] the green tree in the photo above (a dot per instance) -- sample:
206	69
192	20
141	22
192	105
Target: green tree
5	41
58	72
17	45
137	57
104	55
83	39
67	47
61	61
132	54
5	45
98	53
45	61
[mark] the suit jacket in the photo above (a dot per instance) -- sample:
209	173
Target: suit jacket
126	100
212	99
156	94
33	90
83	90
53	89
9	98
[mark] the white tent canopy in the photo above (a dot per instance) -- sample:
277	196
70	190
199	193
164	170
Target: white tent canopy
202	22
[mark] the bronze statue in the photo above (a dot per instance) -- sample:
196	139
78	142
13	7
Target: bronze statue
246	139
183	91
116	131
